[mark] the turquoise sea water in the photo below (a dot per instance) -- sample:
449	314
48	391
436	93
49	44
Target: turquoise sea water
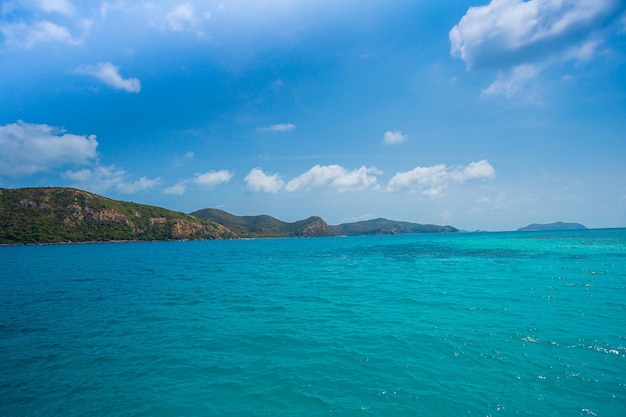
494	324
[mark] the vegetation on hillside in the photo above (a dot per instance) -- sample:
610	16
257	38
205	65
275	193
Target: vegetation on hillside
52	215
266	226
387	227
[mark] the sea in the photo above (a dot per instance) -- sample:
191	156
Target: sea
469	324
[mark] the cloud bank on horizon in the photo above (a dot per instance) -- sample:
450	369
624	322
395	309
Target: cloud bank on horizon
250	106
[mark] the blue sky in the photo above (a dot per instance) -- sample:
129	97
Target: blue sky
478	114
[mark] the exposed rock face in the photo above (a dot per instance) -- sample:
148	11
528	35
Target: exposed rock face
157	220
35	204
317	229
108	215
183	229
77	215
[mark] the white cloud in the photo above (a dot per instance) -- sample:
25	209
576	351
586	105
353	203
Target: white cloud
212	179
142	184
26	148
22	35
520	38
475	170
393	137
177	189
209	180
281	127
516	31
336	177
26	23
103	178
257	180
109	74
432	180
357	179
181	17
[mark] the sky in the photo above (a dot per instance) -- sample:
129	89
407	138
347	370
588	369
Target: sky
480	114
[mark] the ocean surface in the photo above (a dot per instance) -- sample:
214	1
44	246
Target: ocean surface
479	324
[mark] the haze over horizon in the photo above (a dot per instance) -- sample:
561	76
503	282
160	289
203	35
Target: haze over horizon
478	114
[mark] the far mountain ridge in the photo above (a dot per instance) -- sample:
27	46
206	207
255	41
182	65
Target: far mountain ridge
60	215
552	226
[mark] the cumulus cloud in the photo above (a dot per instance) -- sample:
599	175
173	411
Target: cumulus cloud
212	179
109	74
517	31
393	137
281	127
27	148
103	178
257	180
522	37
209	180
335	176
475	170
429	179
432	180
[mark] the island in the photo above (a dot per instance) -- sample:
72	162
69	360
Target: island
551	227
68	215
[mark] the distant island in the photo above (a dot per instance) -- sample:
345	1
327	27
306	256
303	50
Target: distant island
388	227
551	226
62	215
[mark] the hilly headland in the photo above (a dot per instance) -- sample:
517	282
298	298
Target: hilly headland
59	215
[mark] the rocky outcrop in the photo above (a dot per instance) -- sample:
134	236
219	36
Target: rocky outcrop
76	215
317	229
184	229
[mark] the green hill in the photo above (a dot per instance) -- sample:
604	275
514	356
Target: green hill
387	227
265	226
52	215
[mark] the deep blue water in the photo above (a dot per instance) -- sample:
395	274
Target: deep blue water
494	324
